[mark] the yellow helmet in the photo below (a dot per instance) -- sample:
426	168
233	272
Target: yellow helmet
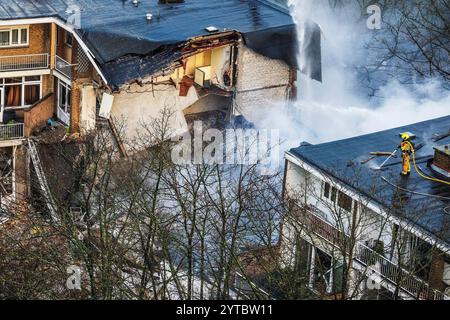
405	136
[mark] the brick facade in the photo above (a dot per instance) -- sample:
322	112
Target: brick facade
260	81
37	116
437	271
39	42
75	106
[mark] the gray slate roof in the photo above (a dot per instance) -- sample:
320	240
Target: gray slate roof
116	28
342	160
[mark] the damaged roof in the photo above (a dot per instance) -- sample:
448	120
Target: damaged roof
116	28
345	160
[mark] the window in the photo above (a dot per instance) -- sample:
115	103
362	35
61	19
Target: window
21	91
333	194
64	96
24	36
13	37
355	207
345	202
69	39
329	192
326	190
4	38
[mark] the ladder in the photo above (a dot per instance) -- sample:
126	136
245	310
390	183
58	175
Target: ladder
42	180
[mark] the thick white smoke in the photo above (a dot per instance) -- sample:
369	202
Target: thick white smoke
341	106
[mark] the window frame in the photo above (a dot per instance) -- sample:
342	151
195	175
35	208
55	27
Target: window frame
24	83
332	194
19	37
68	89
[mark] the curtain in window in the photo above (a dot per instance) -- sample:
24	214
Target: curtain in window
31	94
13	96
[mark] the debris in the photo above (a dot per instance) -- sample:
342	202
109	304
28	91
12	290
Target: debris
419	146
381	153
392	155
52	133
117	138
438	137
367	160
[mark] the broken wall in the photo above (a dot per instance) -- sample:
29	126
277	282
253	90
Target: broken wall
217	58
260	81
135	108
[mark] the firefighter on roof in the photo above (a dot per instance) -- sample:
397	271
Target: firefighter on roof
407	148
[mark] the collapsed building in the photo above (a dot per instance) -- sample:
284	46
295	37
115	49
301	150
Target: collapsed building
84	63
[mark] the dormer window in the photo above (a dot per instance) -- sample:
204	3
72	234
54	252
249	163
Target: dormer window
14	37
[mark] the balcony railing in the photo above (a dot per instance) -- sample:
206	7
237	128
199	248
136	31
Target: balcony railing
395	274
314	223
385	268
11	131
63	67
24	62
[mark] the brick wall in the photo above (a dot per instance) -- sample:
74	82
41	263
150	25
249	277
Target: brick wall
437	271
47	85
260	81
36	117
75	108
39	42
255	71
63	50
442	160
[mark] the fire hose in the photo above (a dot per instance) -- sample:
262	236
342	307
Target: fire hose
423	175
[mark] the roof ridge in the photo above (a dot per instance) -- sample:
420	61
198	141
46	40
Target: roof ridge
378	132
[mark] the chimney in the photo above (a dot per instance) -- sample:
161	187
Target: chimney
441	161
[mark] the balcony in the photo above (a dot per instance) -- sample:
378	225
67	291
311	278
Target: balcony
312	222
12	131
396	275
24	62
391	273
63	67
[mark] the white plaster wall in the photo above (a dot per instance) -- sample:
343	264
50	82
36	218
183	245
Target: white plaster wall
138	106
88	109
372	225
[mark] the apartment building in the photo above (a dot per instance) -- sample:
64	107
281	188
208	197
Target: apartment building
44	74
79	61
389	231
